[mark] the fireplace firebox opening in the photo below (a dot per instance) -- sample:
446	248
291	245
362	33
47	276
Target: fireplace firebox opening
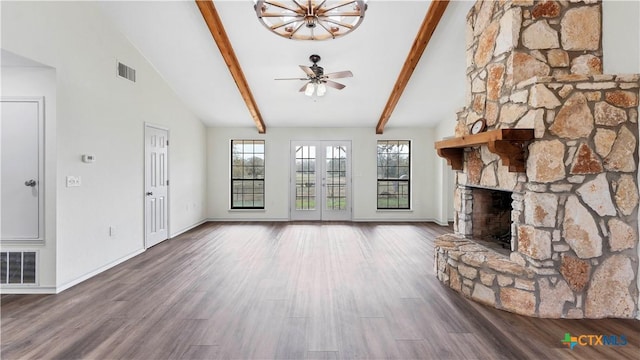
491	217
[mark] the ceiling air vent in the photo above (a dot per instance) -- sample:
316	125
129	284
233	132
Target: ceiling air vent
18	267
126	72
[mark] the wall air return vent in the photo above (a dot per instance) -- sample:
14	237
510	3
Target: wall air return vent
18	267
126	72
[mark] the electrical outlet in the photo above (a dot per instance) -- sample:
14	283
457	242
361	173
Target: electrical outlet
73	181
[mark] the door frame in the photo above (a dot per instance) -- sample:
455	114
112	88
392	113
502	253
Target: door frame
320	170
144	181
41	175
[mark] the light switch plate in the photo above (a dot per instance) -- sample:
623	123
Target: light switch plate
73	181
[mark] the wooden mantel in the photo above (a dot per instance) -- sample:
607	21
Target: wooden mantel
509	144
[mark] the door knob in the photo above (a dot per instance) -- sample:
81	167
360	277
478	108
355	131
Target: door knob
149	193
31	183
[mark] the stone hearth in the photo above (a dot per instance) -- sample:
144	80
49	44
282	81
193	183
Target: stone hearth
574	219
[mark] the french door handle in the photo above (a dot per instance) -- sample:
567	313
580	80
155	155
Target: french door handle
149	193
30	183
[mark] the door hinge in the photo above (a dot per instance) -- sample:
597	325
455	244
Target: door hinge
167	142
167	182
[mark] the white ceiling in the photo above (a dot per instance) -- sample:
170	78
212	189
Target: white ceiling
175	40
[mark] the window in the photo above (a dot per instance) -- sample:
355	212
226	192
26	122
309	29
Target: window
394	172
247	174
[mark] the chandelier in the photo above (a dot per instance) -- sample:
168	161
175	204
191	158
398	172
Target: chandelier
309	19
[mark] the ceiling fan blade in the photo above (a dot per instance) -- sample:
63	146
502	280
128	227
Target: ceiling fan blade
307	70
339	74
334	84
304	87
291	79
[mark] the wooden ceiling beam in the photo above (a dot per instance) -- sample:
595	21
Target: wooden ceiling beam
429	24
212	19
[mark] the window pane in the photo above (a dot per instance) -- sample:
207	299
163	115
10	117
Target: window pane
392	172
258	147
236	172
3	268
247	172
248	147
15	263
403	160
29	268
305	178
392	159
259	172
248	159
259	201
403	172
237	148
335	178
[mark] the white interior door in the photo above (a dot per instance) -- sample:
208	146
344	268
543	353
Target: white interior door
22	169
156	185
320	180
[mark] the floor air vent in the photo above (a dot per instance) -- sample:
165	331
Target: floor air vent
18	267
126	72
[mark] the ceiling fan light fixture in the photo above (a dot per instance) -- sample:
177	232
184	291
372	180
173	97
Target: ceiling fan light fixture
309	89
321	89
311	20
317	80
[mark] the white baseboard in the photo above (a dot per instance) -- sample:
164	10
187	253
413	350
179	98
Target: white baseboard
248	219
396	220
184	230
82	278
413	220
439	222
28	290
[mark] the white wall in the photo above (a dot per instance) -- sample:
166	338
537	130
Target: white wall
40	82
363	142
101	114
446	176
621	36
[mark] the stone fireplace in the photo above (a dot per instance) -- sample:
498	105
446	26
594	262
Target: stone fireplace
573	212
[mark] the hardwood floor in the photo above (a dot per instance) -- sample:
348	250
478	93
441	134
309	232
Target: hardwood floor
286	291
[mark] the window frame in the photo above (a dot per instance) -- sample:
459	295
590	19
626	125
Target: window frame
234	179
397	180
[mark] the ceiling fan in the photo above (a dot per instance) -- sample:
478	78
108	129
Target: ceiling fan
317	80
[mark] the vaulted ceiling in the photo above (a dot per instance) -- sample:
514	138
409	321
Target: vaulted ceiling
175	39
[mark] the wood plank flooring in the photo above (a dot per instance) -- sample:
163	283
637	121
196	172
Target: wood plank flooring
286	291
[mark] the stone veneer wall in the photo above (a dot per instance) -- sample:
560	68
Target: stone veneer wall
575	210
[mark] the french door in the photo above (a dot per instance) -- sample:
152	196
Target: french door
320	180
